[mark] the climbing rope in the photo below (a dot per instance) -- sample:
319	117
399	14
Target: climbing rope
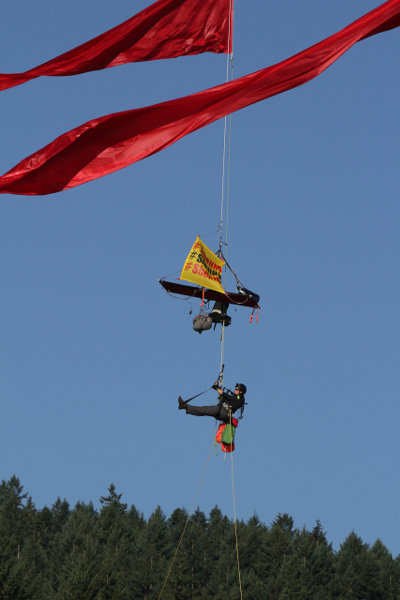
234	519
221	375
186	524
220	249
229	60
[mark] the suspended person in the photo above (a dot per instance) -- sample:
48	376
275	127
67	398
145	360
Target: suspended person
227	401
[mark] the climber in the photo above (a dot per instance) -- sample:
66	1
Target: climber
227	402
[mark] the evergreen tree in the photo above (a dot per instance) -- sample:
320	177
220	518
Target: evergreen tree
396	579
195	556
371	575
60	512
114	554
357	571
22	563
115	576
279	545
77	554
32	569
11	527
154	556
388	574
113	498
224	580
317	561
179	574
253	553
290	579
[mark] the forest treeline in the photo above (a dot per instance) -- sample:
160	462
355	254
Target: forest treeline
80	553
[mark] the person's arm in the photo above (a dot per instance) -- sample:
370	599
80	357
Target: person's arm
218	389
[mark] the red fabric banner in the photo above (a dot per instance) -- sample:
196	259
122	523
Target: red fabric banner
115	141
166	29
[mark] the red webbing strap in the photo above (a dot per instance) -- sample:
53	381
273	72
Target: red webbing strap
258	311
203	291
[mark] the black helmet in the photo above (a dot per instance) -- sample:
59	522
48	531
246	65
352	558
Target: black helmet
241	387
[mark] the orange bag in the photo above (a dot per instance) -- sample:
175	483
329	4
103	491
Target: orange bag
219	432
225	447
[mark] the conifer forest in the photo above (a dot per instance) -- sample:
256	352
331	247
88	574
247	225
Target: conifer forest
81	553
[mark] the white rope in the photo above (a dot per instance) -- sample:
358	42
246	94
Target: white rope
229	58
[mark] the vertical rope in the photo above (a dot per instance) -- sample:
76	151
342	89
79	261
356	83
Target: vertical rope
226	254
228	61
228	58
221	366
236	532
220	226
234	517
186	524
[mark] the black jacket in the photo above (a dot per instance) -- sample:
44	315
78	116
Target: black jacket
234	401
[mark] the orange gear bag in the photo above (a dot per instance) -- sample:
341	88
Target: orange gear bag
219	432
225	447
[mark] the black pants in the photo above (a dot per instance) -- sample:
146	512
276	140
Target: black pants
217	411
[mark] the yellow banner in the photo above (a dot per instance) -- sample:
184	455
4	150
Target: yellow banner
203	267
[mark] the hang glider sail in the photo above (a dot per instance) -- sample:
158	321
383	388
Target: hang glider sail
204	268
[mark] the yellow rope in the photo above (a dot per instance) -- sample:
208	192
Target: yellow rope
234	515
186	524
191	510
236	532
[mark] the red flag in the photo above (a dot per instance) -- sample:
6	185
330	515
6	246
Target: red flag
115	141
166	29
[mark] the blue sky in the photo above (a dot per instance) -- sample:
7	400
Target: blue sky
94	354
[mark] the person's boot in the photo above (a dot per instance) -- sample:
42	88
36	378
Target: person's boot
182	404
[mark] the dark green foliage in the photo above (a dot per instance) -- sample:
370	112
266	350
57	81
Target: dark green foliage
75	555
358	572
22	558
154	555
388	578
317	562
115	554
253	554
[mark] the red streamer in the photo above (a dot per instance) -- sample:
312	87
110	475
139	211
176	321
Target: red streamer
166	29
115	141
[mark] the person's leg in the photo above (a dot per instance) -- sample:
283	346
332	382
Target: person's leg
204	411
